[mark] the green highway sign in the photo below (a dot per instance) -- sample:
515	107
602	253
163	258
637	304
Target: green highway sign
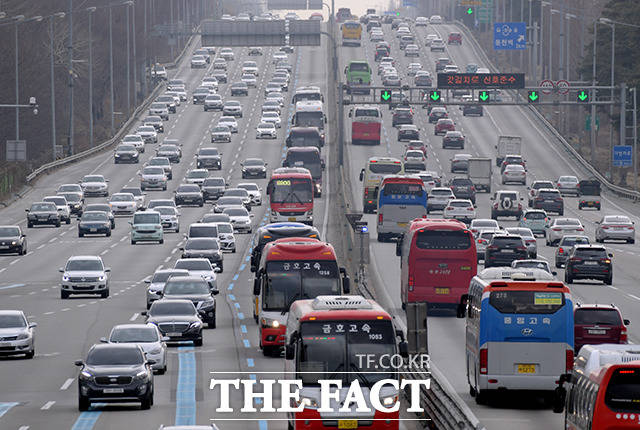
534	97
483	96
385	95
583	97
434	96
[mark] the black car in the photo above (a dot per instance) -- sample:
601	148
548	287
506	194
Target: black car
209	158
75	201
589	262
550	200
213	188
472	109
199	94
177	319
436	113
402	116
172	152
254	168
279	230
503	249
43	213
126	154
204	247
220	75
94	222
463	188
12	240
103	207
115	373
189	194
453	139
198	291
239	89
408	132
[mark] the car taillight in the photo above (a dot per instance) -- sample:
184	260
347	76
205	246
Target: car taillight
580	229
469	208
380	218
366	192
519	206
473	188
521	248
604	227
569	360
412	282
558	199
575	259
482	241
495	206
484	359
531	241
556	229
605	260
558	184
623	334
492	247
560	251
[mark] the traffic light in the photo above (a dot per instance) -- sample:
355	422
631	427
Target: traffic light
534	97
583	96
385	96
483	97
435	97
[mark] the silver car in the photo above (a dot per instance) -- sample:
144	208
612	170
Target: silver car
255	192
61	205
528	237
147	337
94	185
226	236
483	239
240	218
148	133
123	204
16	334
153	177
169	218
230	122
615	227
160	109
566	246
561	227
568	185
220	133
84	274
156	283
533	264
439	198
232	108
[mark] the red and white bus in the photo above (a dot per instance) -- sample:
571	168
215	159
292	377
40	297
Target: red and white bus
366	123
437	261
290	192
326	339
292	269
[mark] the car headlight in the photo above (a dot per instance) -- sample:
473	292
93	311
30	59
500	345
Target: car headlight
195	324
270	322
141	375
23	336
85	375
117	155
102	278
206	304
65	278
14	243
155	351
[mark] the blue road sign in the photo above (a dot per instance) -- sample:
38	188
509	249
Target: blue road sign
622	155
408	3
509	36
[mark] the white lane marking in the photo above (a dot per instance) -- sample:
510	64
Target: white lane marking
634	297
66	384
41	246
14	262
113	245
48	313
104	252
23	428
65	310
48	405
53	239
134	317
82	305
166	260
3	269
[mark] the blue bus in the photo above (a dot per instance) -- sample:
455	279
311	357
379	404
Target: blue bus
401	199
519	333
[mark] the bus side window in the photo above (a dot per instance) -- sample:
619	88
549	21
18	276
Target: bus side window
270	188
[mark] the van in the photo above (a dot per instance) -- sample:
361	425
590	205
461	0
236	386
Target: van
209	230
146	226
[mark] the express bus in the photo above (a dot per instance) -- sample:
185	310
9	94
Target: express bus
325	339
292	269
366	123
290	192
278	230
309	158
309	113
519	335
438	260
358	76
375	169
351	33
402	198
604	389
310	93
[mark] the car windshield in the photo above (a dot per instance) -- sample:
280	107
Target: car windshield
167	148
12	321
574	240
597	317
567	222
146	129
225	228
153	171
188	189
43	207
221	129
382	168
211	244
122	198
238	192
443	239
93	179
59	201
520	231
160	308
209	151
134	334
114	357
166	210
197	174
535	215
526	302
163	276
84	265
193	264
72	197
214	182
154	203
94	216
100	207
460	203
123	148
616	220
236	212
146	218
441	193
131	138
9	231
253	162
177	286
248	187
134	191
568	179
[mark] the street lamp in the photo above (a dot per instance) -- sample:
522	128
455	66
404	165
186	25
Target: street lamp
91	10
612	24
52	84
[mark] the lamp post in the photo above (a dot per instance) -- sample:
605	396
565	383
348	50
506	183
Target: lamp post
70	73
111	66
52	83
135	65
91	10
612	24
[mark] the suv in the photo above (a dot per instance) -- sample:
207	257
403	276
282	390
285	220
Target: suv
463	188
504	249
589	262
549	199
436	113
196	289
596	324
402	116
12	239
157	282
213	188
506	203
536	185
565	247
209	158
455	39
84	275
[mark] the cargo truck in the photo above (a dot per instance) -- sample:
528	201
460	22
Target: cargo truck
480	173
507	145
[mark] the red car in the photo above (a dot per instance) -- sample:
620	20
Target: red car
455	39
416	144
596	324
443	125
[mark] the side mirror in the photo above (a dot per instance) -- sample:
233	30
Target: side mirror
610	255
61	270
217	270
104	340
289	352
215	291
78	363
107	270
151	362
626	322
399	246
554	273
147	281
166	338
462	306
26	210
346	281
181	248
256	286
403	349
492	198
33	325
361	175
144	313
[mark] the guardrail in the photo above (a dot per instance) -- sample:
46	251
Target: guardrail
616	189
49	167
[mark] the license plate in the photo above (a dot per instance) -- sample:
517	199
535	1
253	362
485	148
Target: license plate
4	344
402	224
174	334
596	331
442	291
591	263
508	251
113	390
347	424
93	230
526	368
292	218
4	247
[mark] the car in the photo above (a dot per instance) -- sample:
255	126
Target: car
596	324
536	220
528	237
272	117
227	54
226	202
463	188
160	109
272	106
123	204
506	203
188	194
272	87
568	185
479	224
417	145
169	217
615	227
421	21
169	100
204	52
198	62
391	80
535	186
548	199
249	79
226	235
197	290
75	201
124	369
436	19
460	163
239	192
220	64
533	264
471	68
204	247
514	173
200	94
423	79
230	122
430	38
255	50
220	133
179	93
220	73
411	50
214	218
376	36
402	116
156	283
153	177
254	168
208	158
61	205
125	153
43	213
210	82
473	108
441	63
511	159
266	129
213	188
238	89
84	274
278	56
443	125
503	249
408	132
148	133
565	246
437	45
196	176
455	38
146	226
439	198
254	191
178	320
12	239
94	185
240	218
589	190
451	68
273	97
18	334
453	139
147	337
460	209
163	162
102	207
159	72
589	262
212	102
170	151
155	121
414	160
437	113
562	226
483	239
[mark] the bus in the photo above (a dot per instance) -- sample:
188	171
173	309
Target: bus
309	113
344	14
305	136
437	262
290	192
604	389
310	93
351	33
372	174
358	77
402	198
309	158
324	340
278	230
366	123
519	335
292	269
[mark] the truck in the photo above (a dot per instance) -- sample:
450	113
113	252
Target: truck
507	145
480	173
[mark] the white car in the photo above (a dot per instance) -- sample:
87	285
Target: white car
210	82
169	218
153	177
437	45
274	97
460	209
148	133
439	198
160	109
254	192
135	140
250	67
279	56
95	185
480	224
138	195
240	218
17	334
220	133
528	237
561	227
421	21
226	237
430	38
514	173
230	122
272	87
451	68
196	176
568	185
232	108
266	130
147	337
412	51
227	54
123	204
198	62
249	79
272	117
436	19
197	267
255	50
62	206
413	68
220	64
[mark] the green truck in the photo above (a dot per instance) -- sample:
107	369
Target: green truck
358	77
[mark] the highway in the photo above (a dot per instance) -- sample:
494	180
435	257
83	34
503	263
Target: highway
545	160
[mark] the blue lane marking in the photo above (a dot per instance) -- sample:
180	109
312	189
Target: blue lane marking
237	305
235	277
247	344
243	328
230	286
87	420
247	258
242	266
4	407
232	297
240	316
263	425
186	389
8	287
250	362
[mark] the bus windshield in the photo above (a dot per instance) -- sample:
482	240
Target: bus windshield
310	119
623	390
368	113
298	190
304	96
330	348
380	168
295	280
443	239
526	302
392	189
359	67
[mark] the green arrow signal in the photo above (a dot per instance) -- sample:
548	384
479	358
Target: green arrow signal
386	95
469	11
533	96
582	96
483	96
435	96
